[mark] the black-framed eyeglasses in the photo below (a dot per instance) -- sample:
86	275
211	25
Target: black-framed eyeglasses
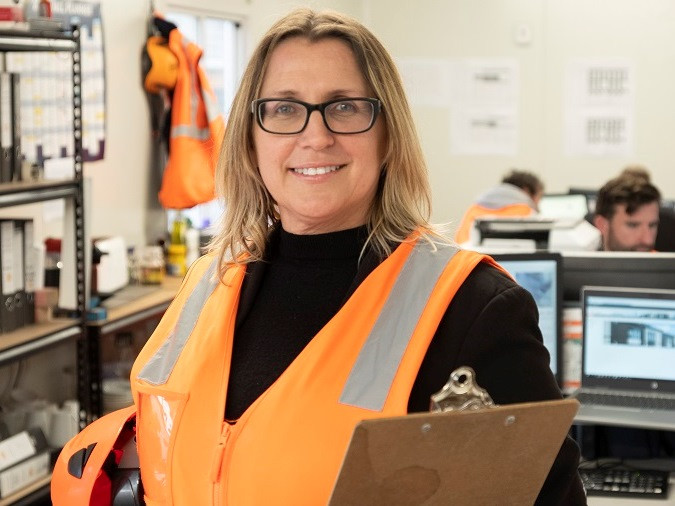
341	115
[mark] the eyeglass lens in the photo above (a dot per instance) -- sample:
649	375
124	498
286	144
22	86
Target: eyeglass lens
344	116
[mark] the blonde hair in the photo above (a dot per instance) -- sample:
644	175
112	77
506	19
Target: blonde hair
402	202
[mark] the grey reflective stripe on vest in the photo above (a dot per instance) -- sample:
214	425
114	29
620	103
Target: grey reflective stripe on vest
158	369
371	377
201	134
212	111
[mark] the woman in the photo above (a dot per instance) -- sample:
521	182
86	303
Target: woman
327	297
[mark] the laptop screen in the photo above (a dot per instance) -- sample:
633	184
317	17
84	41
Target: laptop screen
629	338
539	274
563	206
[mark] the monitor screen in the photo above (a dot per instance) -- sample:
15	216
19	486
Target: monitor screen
539	273
629	333
563	205
615	268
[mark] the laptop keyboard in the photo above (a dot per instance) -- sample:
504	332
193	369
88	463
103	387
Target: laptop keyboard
627	401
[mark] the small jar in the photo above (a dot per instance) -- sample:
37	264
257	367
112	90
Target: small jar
152	265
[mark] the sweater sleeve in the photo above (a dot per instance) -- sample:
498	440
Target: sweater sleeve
491	326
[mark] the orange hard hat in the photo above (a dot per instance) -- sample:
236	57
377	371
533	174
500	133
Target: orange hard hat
79	475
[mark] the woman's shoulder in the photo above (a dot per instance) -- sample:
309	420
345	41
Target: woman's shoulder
486	282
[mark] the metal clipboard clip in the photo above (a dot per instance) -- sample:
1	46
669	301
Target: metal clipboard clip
461	393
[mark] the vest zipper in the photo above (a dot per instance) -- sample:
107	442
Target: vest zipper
220	452
217	463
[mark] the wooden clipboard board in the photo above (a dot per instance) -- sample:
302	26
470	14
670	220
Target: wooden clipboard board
490	456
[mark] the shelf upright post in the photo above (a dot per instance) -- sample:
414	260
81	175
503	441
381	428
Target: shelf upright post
83	352
36	338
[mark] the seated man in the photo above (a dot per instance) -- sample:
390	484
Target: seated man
518	195
627	212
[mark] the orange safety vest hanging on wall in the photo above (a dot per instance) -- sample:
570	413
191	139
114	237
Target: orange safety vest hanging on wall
197	130
287	447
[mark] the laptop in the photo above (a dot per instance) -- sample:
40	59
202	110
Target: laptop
628	357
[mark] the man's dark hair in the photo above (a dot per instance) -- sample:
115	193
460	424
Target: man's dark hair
524	180
632	187
637	171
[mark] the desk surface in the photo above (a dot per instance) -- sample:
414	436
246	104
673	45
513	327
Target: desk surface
597	500
160	298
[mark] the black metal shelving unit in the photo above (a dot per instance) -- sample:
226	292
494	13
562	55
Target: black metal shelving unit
38	338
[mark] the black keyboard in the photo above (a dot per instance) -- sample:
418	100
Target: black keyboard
620	482
628	401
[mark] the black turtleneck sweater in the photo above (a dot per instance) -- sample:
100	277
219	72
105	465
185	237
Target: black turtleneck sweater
304	284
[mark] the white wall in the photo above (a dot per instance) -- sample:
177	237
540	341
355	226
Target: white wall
562	30
119	189
639	32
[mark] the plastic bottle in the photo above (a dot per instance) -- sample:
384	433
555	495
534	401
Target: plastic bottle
178	231
177	250
192	245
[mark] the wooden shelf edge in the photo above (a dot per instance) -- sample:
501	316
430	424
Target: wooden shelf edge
23	340
42	184
139	308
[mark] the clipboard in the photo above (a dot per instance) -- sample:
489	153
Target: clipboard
498	455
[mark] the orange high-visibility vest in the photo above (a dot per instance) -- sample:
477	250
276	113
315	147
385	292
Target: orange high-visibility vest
197	129
477	211
287	447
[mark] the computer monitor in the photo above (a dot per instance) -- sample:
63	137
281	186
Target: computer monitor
615	268
540	274
563	205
